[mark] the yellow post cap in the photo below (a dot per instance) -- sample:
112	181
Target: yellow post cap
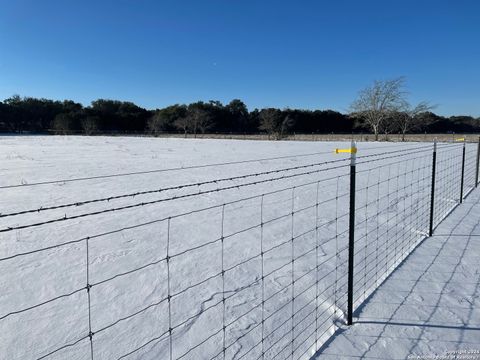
352	150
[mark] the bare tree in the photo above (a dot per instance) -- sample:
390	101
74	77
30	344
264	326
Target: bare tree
157	123
275	123
183	123
62	124
389	125
377	102
408	118
194	121
201	120
89	125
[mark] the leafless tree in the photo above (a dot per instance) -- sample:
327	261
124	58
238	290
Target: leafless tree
201	121
275	123
89	125
377	102
62	124
195	120
408	119
157	123
183	123
389	125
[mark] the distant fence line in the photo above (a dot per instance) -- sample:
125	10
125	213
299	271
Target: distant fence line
315	251
359	137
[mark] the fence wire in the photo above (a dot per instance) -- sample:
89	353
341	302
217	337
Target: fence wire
262	276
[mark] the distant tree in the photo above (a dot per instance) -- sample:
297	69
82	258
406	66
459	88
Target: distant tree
238	113
72	107
269	120
380	108
63	124
6	114
114	115
158	123
433	123
183	124
14	100
463	123
275	122
14	114
164	119
329	121
31	114
319	121
254	120
90	125
196	120
408	119
202	120
3	117
286	125
377	102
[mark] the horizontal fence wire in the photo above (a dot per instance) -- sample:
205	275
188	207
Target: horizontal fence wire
194	194
175	169
262	276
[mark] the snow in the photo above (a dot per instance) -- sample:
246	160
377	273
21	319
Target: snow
428	306
128	313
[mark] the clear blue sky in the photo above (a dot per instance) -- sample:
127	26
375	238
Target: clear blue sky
300	54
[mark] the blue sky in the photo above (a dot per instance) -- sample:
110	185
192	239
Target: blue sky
299	54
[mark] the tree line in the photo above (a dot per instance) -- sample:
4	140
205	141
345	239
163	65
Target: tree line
102	116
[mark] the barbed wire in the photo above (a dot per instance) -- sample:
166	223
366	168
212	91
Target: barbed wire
177	197
179	168
181	214
177	187
184	186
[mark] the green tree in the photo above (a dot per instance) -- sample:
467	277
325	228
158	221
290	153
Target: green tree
238	113
275	123
164	119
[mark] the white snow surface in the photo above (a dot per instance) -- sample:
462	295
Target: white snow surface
46	311
430	305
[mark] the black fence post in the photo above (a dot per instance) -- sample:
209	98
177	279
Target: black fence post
432	195
478	162
351	233
463	172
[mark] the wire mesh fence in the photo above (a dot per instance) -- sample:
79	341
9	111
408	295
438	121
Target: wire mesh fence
261	273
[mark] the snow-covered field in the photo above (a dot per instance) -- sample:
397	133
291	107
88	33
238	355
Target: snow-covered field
215	267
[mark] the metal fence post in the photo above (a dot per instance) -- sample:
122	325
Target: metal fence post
478	162
351	232
463	172
432	195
